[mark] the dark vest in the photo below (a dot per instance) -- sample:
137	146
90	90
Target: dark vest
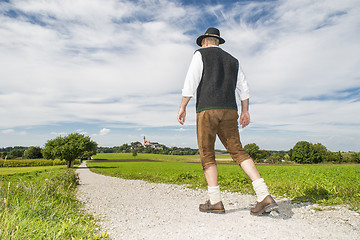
216	89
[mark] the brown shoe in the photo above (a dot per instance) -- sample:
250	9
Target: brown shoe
265	206
212	208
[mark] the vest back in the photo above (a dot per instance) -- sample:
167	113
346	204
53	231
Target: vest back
216	89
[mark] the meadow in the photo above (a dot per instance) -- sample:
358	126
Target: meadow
40	203
322	184
19	170
31	162
157	157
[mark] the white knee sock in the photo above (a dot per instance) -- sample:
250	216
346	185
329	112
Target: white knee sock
261	189
214	194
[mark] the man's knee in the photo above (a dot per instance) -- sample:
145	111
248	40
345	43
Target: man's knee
206	165
241	159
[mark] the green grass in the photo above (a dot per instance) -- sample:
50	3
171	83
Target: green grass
158	157
31	162
43	205
17	170
323	184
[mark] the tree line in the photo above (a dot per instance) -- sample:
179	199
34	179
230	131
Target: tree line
32	152
303	152
139	148
69	148
75	146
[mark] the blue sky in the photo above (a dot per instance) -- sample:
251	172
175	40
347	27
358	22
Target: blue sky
114	70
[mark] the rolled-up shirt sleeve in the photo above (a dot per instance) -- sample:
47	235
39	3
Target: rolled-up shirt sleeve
193	76
242	88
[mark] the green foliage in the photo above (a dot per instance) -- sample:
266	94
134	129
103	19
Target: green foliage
323	184
3	155
263	154
16	153
9	149
31	163
275	158
320	149
12	152
43	206
134	154
19	170
355	157
305	152
128	148
33	153
87	154
69	147
252	149
301	153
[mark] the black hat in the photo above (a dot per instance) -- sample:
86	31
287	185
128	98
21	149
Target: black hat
210	32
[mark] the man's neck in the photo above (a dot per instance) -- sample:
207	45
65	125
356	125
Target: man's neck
212	45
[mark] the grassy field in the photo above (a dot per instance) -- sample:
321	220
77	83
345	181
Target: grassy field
42	204
158	157
323	184
18	170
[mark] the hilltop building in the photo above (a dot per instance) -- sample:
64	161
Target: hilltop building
154	145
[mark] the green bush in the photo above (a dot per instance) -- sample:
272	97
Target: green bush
305	152
33	153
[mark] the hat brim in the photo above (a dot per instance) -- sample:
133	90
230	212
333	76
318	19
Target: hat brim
199	39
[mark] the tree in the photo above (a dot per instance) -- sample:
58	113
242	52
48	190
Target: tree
87	154
16	153
305	152
339	157
302	152
263	154
319	153
69	147
3	155
33	153
134	153
274	158
355	157
252	149
330	157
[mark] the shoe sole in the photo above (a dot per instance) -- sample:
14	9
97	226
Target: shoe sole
213	211
266	210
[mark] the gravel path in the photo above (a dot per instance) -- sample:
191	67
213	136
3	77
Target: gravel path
134	209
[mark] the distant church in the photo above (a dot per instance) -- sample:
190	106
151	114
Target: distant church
154	145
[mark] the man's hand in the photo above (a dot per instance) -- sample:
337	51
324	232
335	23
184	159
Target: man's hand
182	110
181	116
244	119
244	116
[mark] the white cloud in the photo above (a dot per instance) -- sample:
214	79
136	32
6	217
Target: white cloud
81	131
297	60
123	63
7	131
181	130
85	61
58	133
104	131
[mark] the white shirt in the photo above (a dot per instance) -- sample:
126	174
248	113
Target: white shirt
193	78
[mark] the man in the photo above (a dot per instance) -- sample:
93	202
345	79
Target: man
216	76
